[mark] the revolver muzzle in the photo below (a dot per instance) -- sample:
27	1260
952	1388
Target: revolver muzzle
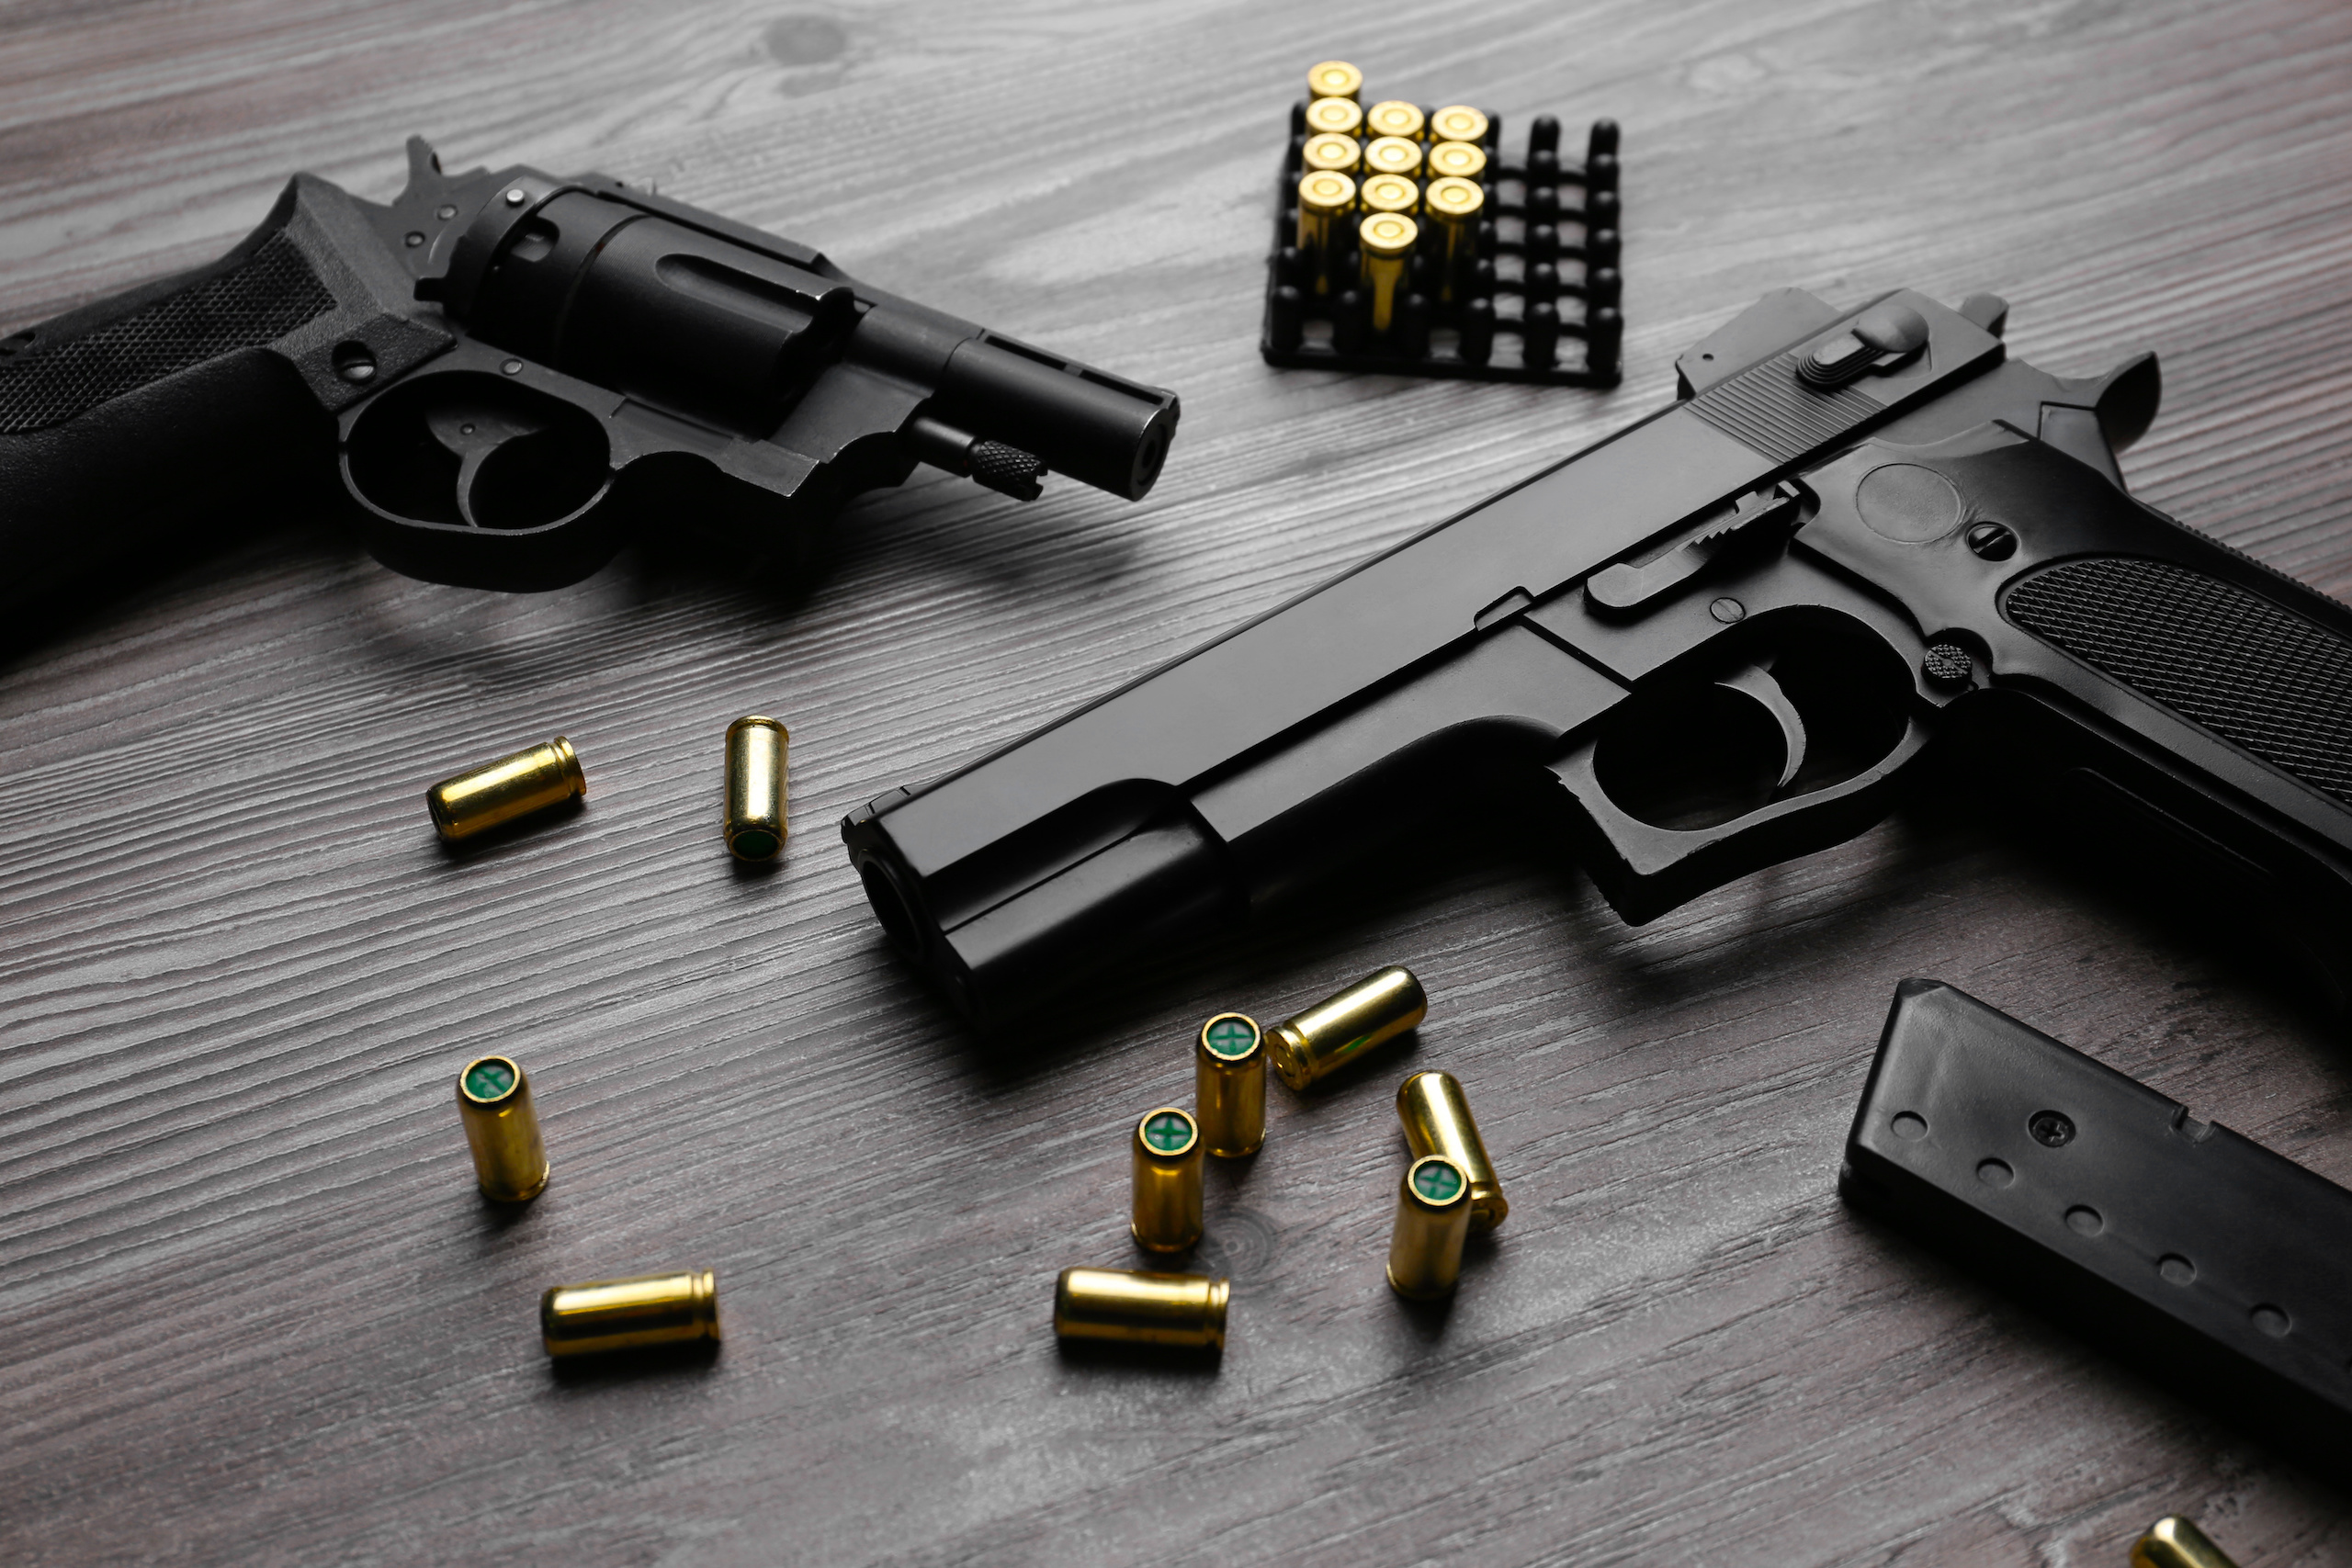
1098	428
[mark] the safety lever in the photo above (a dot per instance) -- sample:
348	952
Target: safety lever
1624	587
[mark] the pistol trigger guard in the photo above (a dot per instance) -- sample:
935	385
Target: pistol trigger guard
1755	682
1643	869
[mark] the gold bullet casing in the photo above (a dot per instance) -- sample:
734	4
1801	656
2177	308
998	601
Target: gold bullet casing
1229	1084
1340	154
1387	239
1334	79
1433	1222
503	1129
1458	122
1340	1028
1453	205
1325	198
1396	118
758	753
1341	117
1390	193
1392	155
1183	1311
1455	160
513	786
1167	1208
630	1314
1438	1121
2174	1542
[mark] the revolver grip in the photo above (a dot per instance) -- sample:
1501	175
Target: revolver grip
119	419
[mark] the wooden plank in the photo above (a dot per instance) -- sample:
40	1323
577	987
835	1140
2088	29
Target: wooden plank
250	1309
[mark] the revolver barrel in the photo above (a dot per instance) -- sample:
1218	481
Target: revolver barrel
1094	427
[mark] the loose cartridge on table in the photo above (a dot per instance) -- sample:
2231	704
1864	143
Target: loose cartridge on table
501	1128
1180	1310
1342	1028
758	751
1166	1213
1433	1222
1438	1121
635	1313
2175	1543
1229	1084
513	786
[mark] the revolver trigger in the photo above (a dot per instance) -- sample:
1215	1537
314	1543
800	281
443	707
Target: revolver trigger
1755	682
473	432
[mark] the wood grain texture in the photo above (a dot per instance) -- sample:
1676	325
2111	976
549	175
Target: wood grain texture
250	1308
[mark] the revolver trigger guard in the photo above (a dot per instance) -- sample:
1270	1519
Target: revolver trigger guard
1643	869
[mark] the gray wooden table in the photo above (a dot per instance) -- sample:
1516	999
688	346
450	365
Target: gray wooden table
251	1310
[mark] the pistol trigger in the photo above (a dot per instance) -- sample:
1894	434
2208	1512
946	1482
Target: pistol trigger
1754	681
474	434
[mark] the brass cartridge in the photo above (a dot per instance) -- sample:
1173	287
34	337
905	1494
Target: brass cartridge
2174	1542
1458	122
1324	197
1437	1122
1433	1222
1341	117
1455	206
630	1314
510	787
1183	1310
1392	155
1339	1029
1395	117
1334	79
1340	154
1455	160
1387	239
503	1129
758	753
1229	1084
1390	193
1167	1208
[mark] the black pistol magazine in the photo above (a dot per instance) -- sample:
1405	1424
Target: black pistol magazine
2215	1266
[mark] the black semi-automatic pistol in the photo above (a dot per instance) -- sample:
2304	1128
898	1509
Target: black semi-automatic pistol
1724	637
517	374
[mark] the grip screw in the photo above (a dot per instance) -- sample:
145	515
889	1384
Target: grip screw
1993	541
1947	665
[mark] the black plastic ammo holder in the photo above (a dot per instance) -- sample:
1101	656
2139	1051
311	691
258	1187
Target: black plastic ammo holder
1510	315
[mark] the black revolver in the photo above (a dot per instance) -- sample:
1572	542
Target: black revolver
518	374
1725	636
